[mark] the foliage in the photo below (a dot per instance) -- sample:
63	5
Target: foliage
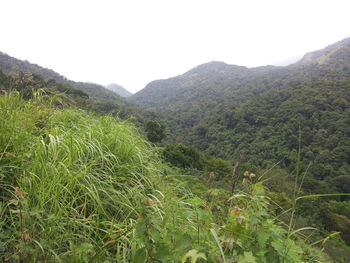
267	113
225	109
183	156
155	131
220	167
80	188
75	187
12	65
119	90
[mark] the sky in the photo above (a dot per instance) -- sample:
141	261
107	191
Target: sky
133	42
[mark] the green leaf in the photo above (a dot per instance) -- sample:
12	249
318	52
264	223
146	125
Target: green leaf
193	255
262	238
215	235
140	229
183	242
196	201
162	253
278	246
140	256
247	258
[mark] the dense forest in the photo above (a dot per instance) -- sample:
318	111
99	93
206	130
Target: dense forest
221	164
265	113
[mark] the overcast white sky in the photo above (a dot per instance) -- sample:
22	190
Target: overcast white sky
133	42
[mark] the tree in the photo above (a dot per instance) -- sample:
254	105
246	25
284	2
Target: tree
183	156
155	131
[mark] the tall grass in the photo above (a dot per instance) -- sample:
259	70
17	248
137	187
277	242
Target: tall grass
79	180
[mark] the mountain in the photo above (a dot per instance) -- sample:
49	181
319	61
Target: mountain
222	80
10	64
121	91
225	110
337	53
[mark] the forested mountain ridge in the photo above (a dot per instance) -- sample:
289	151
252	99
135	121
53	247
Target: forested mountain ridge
101	99
165	93
332	53
10	64
119	90
240	82
226	110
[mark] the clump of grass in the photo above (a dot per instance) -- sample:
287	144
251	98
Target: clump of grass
83	179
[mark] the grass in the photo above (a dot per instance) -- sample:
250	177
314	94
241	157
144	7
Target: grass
81	188
82	178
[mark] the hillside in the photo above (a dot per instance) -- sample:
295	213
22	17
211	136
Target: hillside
119	90
101	99
10	64
81	188
240	82
223	109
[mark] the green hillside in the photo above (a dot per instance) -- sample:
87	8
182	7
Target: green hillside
79	188
225	110
119	90
97	98
10	64
76	187
254	166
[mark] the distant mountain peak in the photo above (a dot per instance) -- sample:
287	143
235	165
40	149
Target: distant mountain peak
325	55
119	90
215	67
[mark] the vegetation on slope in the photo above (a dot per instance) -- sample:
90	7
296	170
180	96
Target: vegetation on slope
27	83
260	113
223	109
10	65
119	90
80	188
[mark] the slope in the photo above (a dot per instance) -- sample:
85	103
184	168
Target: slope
80	188
226	110
119	90
10	64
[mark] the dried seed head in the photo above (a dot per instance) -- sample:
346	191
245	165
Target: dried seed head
252	175
212	175
150	202
19	193
236	211
246	181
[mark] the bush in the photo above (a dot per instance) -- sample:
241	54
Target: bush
182	156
